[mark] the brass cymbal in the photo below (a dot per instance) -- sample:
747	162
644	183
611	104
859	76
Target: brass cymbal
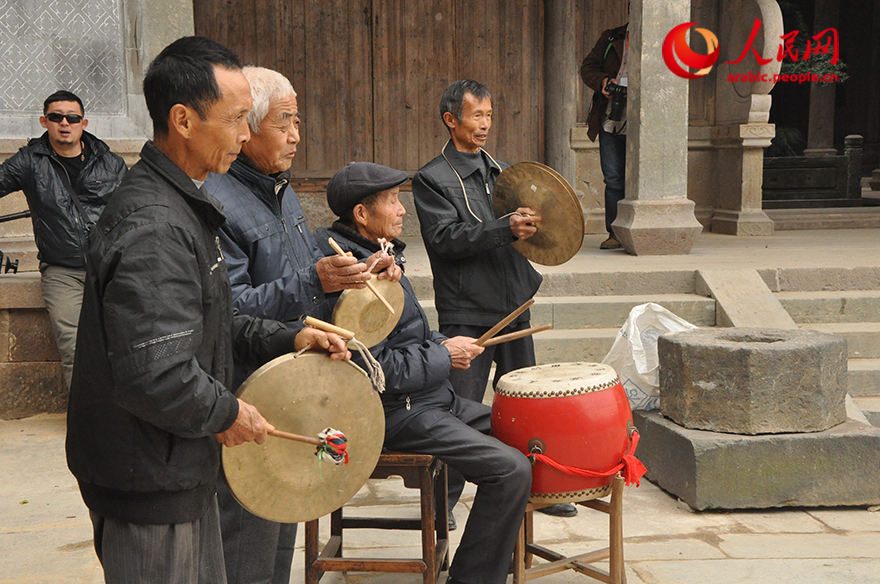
561	230
282	480
359	311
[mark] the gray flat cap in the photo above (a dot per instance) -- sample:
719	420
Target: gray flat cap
357	181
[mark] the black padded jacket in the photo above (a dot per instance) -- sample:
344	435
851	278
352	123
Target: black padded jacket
60	229
155	350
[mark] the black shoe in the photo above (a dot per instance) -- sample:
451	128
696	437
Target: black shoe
559	510
452	525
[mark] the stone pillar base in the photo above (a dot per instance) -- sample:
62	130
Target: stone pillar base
753	222
657	226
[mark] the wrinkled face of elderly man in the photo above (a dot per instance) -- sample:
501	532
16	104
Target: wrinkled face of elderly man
274	147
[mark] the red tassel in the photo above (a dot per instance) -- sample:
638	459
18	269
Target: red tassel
631	467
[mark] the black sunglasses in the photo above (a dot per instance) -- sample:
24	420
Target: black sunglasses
71	118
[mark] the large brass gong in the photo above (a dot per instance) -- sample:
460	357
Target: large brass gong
561	230
284	481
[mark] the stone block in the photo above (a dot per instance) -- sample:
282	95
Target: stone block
742	299
21	290
4	336
752	380
30	336
710	470
28	389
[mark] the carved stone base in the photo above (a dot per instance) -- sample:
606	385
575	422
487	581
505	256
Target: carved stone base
754	222
657	227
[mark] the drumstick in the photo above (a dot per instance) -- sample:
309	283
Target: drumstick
328	328
369	284
517	335
296	437
504	322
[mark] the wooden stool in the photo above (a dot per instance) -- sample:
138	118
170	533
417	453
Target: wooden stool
419	471
526	548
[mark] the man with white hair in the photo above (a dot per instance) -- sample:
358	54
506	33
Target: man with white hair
278	272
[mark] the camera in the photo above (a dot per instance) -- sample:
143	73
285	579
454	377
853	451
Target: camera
618	100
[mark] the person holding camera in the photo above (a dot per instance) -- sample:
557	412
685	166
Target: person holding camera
604	71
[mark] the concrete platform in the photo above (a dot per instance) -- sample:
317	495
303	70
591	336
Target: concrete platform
713	470
45	533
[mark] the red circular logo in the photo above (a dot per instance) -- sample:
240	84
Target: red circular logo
675	45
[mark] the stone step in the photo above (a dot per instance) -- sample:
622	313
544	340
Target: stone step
831	307
577	312
22	249
863	338
566	345
573	283
864	378
825	218
870	406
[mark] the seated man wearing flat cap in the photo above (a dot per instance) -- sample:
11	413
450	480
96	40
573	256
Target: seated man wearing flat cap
422	413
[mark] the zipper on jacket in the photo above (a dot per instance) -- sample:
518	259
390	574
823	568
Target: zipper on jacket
408	404
79	220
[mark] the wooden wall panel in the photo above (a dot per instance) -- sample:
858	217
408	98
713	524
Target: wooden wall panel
369	73
412	48
338	85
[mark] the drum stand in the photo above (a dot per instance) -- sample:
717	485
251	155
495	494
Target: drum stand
526	549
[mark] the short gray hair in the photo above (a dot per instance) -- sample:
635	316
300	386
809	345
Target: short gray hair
266	86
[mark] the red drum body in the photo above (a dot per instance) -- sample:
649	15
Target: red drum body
575	413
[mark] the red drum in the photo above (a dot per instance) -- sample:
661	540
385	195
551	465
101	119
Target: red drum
574	413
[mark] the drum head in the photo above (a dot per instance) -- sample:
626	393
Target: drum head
561	230
284	481
359	311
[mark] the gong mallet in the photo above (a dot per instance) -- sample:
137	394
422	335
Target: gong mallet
481	342
296	437
369	284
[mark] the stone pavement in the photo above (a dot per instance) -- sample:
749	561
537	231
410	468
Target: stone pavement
45	533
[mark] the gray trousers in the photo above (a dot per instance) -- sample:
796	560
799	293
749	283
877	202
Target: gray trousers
503	475
63	294
182	553
256	550
510	356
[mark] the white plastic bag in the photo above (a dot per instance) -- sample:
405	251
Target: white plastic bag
634	353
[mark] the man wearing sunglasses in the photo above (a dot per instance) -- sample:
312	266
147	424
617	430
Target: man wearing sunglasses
67	176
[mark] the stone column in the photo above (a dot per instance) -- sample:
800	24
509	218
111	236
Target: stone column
742	112
820	134
656	217
560	85
853	150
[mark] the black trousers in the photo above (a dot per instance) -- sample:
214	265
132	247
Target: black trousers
256	551
503	475
510	356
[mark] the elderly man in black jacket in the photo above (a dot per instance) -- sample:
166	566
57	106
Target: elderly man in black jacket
67	176
278	272
150	403
422	413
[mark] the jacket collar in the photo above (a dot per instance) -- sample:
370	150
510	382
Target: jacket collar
362	241
196	197
257	181
42	146
466	165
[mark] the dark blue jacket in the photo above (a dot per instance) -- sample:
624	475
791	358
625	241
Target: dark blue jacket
415	364
270	252
60	230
